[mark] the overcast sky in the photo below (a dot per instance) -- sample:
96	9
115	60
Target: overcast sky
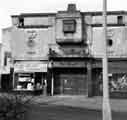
14	7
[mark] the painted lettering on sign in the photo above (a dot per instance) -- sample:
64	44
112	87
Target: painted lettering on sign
30	67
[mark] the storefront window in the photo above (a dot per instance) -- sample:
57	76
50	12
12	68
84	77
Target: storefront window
118	82
30	81
25	81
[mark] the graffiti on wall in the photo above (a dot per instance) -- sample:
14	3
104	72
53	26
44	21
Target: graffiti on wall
118	82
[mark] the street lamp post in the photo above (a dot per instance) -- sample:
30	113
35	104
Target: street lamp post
106	103
52	90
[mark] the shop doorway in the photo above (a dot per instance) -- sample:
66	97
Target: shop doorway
74	84
6	83
40	79
71	81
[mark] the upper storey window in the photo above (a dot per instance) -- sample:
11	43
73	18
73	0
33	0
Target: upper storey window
21	21
120	19
34	21
69	26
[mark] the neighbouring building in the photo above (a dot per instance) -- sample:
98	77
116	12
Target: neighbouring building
63	51
0	63
5	64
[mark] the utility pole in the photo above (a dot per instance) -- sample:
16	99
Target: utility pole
106	103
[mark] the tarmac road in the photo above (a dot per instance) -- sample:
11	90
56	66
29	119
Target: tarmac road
53	112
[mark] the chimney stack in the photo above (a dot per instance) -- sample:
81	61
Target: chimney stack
71	7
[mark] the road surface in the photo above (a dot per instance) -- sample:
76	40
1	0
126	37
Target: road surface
53	112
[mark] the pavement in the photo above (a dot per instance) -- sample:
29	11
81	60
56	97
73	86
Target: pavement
94	103
80	101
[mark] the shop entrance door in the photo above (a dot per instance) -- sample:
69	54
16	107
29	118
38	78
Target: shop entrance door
74	84
6	83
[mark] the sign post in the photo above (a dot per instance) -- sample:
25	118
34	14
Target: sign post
106	103
52	79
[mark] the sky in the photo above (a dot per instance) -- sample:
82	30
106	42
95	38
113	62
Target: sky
15	7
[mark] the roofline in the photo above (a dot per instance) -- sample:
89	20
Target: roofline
96	13
34	15
14	16
93	13
37	14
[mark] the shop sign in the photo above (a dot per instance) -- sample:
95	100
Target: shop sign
30	67
69	64
67	51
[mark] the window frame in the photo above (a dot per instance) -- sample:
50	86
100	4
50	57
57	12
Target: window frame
120	19
67	23
109	42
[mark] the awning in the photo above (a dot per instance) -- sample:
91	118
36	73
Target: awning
30	66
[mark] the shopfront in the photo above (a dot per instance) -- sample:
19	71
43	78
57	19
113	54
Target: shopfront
117	74
70	77
5	79
71	81
118	79
29	76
